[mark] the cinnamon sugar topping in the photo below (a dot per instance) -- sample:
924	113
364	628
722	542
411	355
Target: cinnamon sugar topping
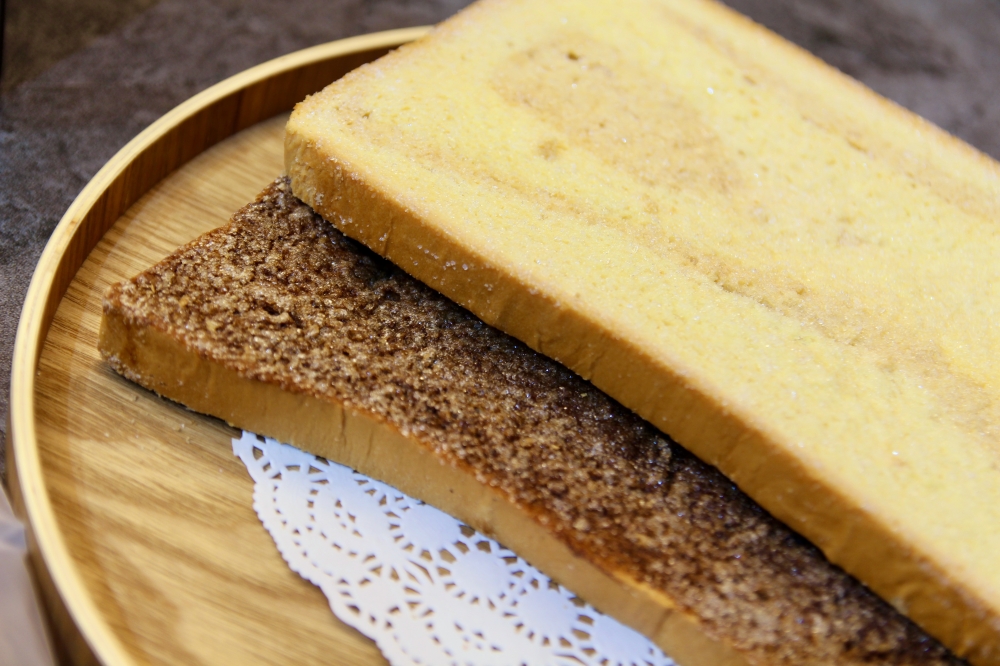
280	296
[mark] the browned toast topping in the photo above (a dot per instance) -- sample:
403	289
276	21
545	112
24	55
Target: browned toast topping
279	296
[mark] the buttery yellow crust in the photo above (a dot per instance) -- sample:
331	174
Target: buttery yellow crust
792	277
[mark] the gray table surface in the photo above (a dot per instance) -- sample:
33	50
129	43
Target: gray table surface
60	122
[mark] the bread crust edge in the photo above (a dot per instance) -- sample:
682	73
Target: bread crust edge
157	361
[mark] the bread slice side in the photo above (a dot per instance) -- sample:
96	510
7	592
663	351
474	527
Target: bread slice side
792	277
364	442
281	325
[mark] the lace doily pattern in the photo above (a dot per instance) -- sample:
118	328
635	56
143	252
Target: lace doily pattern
426	588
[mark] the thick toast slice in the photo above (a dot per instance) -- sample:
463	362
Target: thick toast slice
792	277
280	324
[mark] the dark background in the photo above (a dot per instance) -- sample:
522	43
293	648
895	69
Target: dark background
82	77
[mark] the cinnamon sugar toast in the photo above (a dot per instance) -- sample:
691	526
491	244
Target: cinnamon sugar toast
792	277
279	324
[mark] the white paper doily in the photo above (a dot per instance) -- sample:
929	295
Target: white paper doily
427	589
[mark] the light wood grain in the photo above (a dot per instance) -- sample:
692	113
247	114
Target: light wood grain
140	516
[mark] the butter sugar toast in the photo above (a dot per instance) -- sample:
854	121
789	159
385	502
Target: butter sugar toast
792	277
280	324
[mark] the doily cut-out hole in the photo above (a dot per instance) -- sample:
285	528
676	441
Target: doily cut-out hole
427	589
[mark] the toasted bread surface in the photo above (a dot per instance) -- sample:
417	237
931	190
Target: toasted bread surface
280	324
794	278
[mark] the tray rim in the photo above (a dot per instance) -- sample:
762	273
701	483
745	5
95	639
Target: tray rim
117	185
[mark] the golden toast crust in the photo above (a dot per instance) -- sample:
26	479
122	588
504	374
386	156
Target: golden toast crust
794	278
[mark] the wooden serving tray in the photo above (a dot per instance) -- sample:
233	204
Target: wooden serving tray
140	523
